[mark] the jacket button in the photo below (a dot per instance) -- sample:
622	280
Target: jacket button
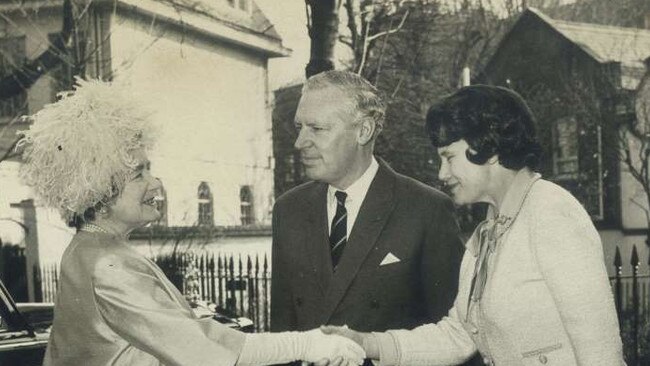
543	359
487	361
374	304
299	301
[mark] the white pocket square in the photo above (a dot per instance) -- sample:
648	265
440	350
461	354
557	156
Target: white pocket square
389	259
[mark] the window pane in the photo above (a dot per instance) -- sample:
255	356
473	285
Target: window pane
565	146
246	205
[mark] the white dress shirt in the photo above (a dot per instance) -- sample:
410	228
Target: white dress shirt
356	193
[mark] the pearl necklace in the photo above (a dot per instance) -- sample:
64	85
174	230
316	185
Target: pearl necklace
92	228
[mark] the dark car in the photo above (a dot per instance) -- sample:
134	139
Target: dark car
25	328
24	331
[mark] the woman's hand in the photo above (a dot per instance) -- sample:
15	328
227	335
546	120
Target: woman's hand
322	346
365	340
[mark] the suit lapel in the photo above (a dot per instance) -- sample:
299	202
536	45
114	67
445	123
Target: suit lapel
374	212
317	237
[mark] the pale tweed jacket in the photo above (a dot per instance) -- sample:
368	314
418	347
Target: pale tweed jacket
116	307
547	300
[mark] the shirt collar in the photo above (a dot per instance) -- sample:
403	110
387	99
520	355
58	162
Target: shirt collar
512	202
359	188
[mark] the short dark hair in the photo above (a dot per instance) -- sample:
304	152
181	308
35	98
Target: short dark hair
492	120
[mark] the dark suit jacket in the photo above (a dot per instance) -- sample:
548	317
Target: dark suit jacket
399	215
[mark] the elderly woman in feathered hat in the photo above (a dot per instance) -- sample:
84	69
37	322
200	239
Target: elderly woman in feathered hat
86	155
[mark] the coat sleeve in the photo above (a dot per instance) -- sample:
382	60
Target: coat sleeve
442	253
136	306
443	343
570	256
283	313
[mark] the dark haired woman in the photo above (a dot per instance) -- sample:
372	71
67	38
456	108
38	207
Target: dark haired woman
533	286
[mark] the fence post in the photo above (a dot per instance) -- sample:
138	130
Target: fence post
213	292
265	280
258	325
241	288
38	291
250	289
220	280
618	297
232	303
203	275
635	304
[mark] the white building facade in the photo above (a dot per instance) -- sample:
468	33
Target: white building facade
200	68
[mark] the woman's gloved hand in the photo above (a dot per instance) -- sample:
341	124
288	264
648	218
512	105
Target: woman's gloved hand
319	346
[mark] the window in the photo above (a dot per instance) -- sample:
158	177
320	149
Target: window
161	206
12	56
565	147
206	205
243	5
247	208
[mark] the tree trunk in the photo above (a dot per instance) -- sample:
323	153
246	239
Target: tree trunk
323	31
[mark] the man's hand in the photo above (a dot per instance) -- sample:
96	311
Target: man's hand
338	361
365	340
332	347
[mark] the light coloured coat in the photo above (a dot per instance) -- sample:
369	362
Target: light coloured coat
116	307
547	300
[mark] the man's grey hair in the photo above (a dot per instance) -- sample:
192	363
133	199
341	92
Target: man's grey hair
369	103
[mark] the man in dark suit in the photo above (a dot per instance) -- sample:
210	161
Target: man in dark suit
360	244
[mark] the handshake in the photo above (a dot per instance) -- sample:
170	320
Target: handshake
334	346
327	346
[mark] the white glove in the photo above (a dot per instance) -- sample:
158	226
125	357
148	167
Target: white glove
320	345
274	348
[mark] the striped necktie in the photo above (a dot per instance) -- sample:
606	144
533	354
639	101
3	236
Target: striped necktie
339	230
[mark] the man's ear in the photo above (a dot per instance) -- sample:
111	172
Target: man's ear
493	160
366	130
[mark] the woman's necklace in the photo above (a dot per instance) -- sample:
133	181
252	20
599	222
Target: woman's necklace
92	228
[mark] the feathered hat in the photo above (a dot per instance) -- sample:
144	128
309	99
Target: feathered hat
77	150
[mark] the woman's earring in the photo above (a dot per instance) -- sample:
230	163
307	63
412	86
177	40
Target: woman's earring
103	210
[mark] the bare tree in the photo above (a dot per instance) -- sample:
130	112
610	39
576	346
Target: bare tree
635	147
322	26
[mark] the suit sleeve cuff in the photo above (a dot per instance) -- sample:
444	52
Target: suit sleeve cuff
388	351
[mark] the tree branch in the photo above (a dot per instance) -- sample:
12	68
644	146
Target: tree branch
25	76
10	153
390	31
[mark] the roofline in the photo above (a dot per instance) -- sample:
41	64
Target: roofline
549	23
208	26
213	28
